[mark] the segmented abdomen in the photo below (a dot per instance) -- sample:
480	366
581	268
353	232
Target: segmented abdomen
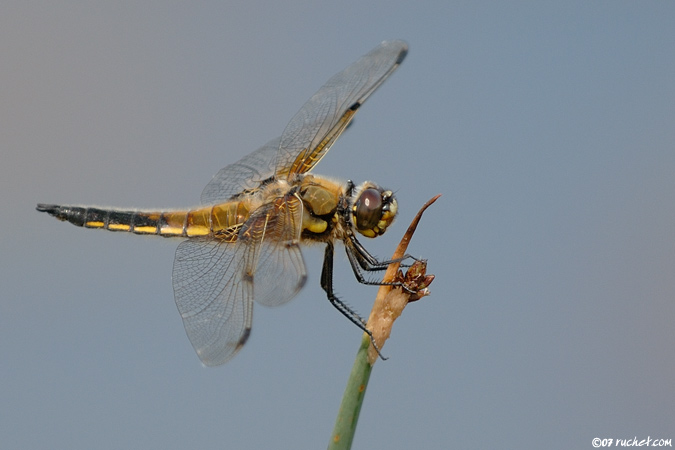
222	221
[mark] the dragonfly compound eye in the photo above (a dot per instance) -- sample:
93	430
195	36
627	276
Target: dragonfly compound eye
373	211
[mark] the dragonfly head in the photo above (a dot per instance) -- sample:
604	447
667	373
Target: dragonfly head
373	210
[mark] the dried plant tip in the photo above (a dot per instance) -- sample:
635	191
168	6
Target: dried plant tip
390	302
416	280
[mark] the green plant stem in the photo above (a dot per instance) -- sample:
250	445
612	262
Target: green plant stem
348	415
388	306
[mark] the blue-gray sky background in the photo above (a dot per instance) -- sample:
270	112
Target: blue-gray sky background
548	128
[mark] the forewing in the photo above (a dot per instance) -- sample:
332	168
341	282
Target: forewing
275	262
312	131
245	174
213	298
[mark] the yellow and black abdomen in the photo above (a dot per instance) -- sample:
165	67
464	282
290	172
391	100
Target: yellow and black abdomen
223	220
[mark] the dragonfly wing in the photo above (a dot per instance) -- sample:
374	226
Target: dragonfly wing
213	298
275	262
313	129
245	174
320	121
215	282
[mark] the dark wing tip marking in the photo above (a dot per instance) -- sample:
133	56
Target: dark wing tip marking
402	54
400	43
302	281
243	339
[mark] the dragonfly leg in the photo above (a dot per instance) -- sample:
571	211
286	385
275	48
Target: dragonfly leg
361	260
327	285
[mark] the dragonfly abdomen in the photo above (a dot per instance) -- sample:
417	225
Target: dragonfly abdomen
139	222
196	222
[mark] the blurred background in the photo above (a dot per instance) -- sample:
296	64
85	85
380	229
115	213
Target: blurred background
548	128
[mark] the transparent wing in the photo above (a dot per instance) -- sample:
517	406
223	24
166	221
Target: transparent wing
313	129
320	121
214	300
215	282
245	174
277	267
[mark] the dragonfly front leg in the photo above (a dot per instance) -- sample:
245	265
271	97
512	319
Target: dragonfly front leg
361	259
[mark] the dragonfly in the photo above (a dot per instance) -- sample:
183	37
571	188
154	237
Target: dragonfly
243	242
